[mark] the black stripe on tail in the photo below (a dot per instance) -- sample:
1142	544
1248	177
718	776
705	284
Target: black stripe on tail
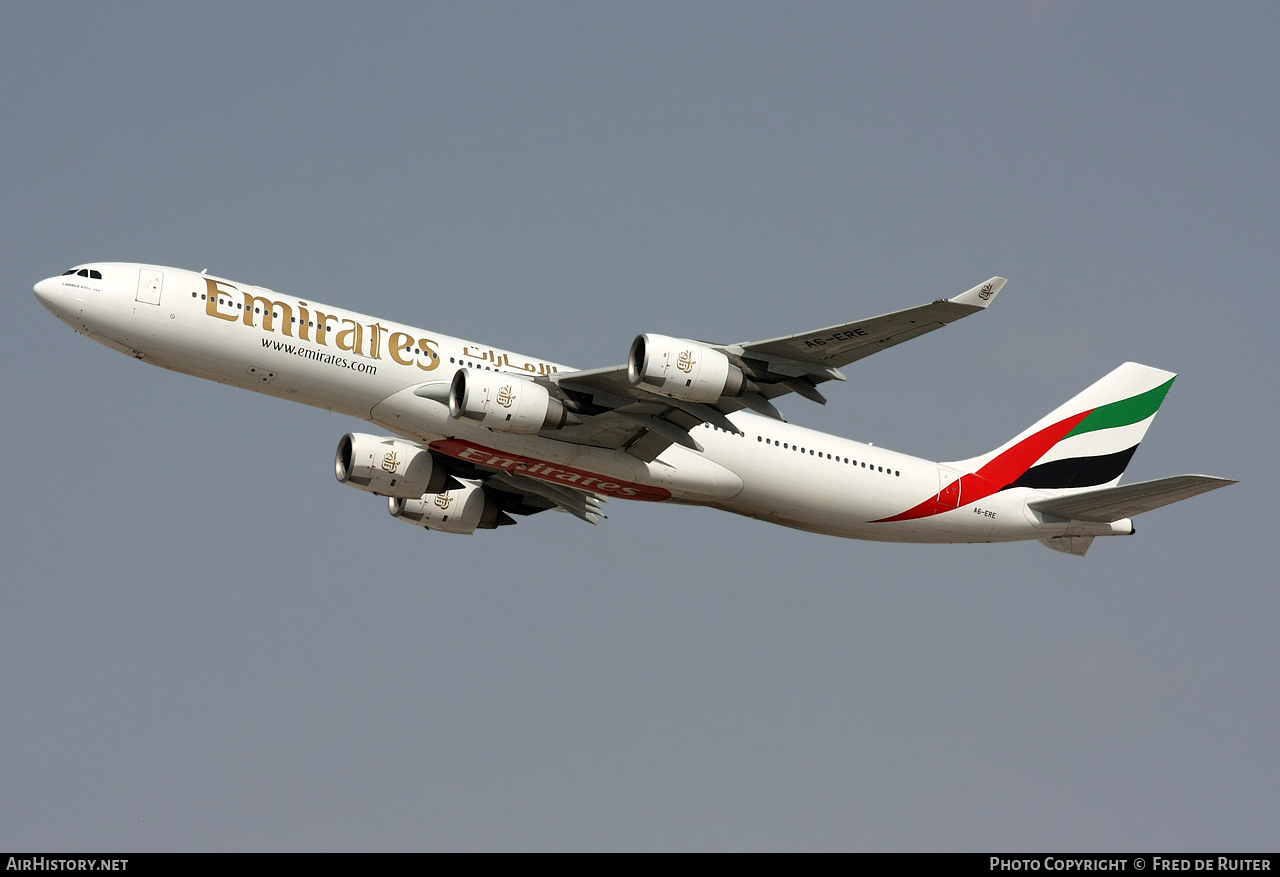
1075	471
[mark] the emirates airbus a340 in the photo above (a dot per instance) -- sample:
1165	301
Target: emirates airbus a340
481	434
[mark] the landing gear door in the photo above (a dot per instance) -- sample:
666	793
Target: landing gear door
150	282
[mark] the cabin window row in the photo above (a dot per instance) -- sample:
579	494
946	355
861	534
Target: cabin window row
788	446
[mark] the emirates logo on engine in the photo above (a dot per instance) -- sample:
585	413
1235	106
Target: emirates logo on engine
506	395
390	461
686	362
443	500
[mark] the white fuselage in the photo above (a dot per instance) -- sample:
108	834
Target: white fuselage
324	356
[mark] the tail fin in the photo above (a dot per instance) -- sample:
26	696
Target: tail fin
1086	442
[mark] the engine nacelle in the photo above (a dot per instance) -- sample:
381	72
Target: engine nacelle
504	403
682	369
464	510
387	466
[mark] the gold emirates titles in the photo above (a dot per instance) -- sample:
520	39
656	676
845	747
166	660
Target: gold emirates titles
358	338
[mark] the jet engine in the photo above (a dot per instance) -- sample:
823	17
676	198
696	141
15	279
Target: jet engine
464	510
504	403
387	466
682	369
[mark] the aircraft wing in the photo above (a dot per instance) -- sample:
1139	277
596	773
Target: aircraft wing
580	503
611	411
840	345
519	494
613	414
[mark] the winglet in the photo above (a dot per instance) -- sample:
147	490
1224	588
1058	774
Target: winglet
982	294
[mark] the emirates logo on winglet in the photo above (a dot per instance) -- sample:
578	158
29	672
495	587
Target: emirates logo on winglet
985	292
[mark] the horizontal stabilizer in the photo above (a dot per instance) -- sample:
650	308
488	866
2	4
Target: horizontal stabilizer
1115	503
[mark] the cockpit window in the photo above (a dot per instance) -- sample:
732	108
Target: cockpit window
68	271
83	272
95	275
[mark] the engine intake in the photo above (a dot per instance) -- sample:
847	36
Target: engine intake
504	403
682	369
387	466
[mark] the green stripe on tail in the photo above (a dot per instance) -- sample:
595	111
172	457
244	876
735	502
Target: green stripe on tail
1124	412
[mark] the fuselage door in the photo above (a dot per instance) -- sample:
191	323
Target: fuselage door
949	488
149	283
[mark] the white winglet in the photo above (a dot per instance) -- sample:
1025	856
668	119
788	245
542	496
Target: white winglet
982	294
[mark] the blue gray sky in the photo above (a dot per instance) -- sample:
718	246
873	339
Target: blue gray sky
207	643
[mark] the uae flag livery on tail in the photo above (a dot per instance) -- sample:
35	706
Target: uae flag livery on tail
1085	443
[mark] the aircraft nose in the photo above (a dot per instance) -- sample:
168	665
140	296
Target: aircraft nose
47	289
